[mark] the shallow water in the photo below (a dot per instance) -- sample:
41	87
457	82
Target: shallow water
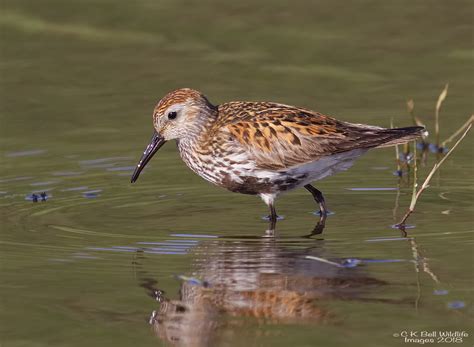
173	259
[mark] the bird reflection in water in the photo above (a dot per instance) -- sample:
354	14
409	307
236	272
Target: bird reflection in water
267	280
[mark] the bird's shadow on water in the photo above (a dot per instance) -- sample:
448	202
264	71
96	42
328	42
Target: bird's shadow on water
265	279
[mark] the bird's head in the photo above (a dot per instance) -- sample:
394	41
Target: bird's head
183	113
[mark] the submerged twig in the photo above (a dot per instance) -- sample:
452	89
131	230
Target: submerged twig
416	194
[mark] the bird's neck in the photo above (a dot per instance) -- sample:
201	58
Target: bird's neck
190	150
199	133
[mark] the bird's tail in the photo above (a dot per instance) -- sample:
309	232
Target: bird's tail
398	136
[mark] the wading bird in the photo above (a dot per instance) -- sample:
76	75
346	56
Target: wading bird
262	148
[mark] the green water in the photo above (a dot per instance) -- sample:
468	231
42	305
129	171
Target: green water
78	84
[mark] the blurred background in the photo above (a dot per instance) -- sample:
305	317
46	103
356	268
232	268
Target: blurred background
79	81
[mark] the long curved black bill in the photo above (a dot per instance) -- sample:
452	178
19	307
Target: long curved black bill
155	143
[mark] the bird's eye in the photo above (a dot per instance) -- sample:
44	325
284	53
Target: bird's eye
172	115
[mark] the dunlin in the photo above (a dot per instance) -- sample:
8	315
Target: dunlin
262	148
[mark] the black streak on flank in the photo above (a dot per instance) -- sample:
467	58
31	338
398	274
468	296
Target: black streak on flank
249	185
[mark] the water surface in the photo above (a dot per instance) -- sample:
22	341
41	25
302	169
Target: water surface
172	259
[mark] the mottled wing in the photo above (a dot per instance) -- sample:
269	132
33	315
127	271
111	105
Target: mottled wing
280	136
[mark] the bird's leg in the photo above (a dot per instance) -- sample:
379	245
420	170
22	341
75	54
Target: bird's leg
319	198
273	216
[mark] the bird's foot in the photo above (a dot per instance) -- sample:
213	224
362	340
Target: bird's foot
324	213
269	218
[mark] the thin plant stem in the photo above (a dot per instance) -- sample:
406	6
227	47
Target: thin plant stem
415	179
411	108
411	111
460	130
441	98
397	155
416	195
406	153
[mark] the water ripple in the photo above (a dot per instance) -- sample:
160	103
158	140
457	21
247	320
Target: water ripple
25	153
